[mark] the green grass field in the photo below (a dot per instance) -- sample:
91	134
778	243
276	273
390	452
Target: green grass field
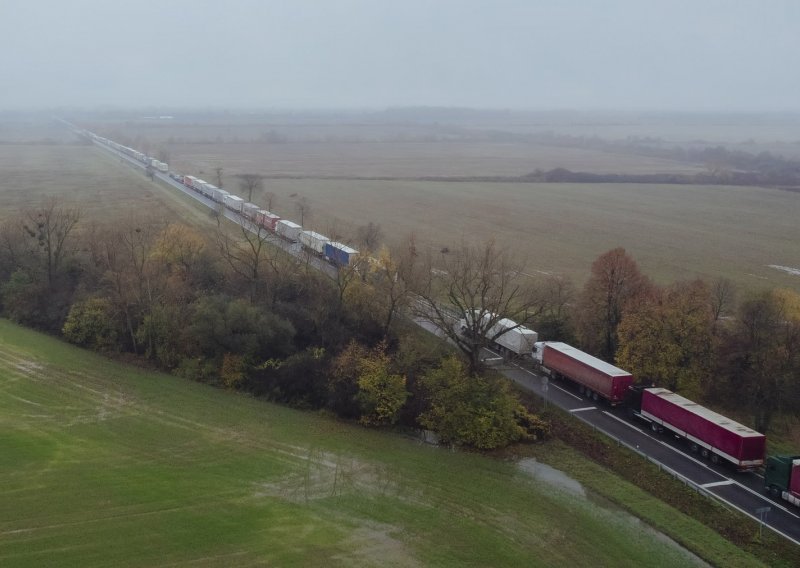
105	465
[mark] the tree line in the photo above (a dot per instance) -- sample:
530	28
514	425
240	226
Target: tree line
695	338
230	309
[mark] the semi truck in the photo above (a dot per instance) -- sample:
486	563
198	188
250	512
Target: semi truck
712	435
215	193
234	203
594	378
289	230
339	254
505	334
782	478
314	241
250	210
267	220
514	337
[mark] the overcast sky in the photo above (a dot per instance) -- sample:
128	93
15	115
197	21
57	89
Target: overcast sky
534	54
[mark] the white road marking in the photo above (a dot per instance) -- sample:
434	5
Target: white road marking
550	383
709	468
621	421
770	501
773	529
718	483
582	409
566	392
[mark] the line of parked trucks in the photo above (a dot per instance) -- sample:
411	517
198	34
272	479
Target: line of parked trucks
712	435
338	254
708	433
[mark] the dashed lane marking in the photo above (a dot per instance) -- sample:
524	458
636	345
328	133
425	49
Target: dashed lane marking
709	468
718	483
582	409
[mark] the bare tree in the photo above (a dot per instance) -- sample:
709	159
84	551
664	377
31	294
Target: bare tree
477	285
559	295
269	200
285	275
303	207
245	251
723	297
16	249
386	277
51	225
218	174
334	230
136	283
249	183
369	236
163	155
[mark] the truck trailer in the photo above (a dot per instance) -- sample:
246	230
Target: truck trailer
595	379
289	230
215	193
712	435
314	241
234	202
267	220
782	478
505	334
515	338
250	210
339	254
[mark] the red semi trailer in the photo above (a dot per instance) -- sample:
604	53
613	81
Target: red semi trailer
713	435
595	378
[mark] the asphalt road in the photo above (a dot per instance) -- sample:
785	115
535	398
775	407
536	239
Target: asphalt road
292	248
738	490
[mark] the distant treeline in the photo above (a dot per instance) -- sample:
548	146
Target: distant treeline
784	179
771	171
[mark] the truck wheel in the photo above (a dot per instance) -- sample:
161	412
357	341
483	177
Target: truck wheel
595	396
714	458
654	427
704	453
774	491
695	448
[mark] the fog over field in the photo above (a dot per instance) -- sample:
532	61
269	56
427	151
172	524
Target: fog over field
618	54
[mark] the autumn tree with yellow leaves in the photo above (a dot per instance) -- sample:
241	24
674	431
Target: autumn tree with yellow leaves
666	337
363	378
759	361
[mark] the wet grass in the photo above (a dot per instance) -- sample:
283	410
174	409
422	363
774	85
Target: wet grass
720	536
102	464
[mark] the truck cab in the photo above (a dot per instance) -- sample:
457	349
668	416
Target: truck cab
782	478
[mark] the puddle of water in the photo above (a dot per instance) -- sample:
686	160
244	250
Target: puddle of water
788	269
552	476
560	480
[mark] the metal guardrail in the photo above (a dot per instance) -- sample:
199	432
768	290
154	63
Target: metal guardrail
661	466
